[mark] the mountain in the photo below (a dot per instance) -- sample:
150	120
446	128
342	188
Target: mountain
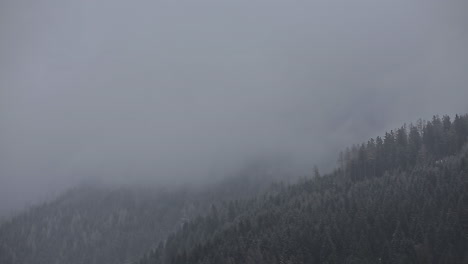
402	198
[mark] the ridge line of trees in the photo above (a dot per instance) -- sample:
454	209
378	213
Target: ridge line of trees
401	198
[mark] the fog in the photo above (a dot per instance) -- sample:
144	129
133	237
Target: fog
181	91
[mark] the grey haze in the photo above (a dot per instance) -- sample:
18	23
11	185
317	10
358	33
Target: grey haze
176	91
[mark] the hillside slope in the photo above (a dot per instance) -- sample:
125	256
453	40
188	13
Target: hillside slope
401	198
398	199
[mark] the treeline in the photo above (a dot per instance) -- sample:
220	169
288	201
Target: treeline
405	147
402	198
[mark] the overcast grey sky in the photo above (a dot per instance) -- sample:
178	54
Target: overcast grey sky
178	89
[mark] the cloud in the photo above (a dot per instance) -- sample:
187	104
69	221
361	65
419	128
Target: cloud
175	90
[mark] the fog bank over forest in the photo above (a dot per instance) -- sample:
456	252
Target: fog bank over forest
179	91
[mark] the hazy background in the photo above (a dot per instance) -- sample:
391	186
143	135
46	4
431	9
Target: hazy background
176	91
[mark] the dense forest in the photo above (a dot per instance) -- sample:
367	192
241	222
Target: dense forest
400	198
397	199
101	224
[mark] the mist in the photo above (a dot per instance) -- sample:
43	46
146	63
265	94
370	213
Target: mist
180	91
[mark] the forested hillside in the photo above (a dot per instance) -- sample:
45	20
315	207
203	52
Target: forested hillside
402	198
92	224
